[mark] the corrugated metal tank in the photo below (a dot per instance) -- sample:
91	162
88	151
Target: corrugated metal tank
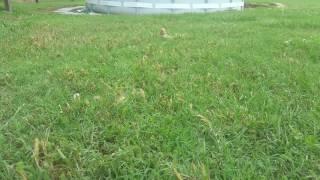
162	6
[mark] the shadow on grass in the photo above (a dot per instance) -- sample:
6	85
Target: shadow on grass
2	9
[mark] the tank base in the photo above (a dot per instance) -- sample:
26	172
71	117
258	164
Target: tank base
162	6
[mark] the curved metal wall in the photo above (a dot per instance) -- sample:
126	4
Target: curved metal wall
162	6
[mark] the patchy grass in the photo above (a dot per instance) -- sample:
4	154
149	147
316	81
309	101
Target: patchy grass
228	95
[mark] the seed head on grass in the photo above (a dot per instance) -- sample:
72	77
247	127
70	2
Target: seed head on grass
164	33
205	120
178	175
139	93
121	98
39	151
97	98
76	96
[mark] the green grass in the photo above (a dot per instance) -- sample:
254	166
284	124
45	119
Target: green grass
232	95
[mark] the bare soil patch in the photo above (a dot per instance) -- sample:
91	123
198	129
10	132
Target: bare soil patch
265	5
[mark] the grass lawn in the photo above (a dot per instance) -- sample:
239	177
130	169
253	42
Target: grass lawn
231	95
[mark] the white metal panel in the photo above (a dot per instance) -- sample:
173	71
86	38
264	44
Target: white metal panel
205	6
137	5
163	6
232	5
111	3
172	6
